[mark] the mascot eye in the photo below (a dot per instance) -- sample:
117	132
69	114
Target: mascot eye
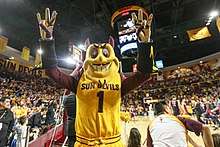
94	53
105	52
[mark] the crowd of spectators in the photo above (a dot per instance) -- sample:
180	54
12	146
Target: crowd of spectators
192	87
32	100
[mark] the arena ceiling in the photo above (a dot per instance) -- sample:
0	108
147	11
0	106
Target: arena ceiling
79	19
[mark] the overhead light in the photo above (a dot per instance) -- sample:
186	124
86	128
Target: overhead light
175	36
81	46
70	60
40	51
208	23
200	62
178	67
213	13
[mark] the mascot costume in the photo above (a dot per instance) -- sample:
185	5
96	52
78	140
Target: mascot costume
98	85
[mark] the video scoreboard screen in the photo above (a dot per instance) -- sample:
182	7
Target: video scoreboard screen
126	26
127	35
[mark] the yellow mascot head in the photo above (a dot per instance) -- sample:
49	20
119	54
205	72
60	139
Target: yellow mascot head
100	61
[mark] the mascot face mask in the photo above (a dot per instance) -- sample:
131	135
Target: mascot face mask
100	61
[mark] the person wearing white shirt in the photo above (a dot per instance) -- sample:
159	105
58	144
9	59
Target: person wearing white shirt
167	130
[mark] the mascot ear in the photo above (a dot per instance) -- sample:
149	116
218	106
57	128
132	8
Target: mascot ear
83	55
111	41
83	52
87	43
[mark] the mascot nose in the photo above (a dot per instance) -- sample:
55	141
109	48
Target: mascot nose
101	58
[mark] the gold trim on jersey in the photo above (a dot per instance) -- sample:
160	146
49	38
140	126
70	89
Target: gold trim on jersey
98	141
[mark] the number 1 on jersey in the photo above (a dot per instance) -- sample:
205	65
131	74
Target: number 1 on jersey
100	94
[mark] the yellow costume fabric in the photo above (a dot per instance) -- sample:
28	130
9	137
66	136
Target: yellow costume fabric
98	111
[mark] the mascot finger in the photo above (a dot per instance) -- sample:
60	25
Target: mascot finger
53	18
47	14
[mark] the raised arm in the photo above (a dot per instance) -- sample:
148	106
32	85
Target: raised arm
49	59
207	137
145	53
198	128
50	65
144	68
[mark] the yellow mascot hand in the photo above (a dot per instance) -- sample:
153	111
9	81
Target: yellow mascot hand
46	25
143	26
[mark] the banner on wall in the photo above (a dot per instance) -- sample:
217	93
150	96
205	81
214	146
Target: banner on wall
25	54
15	66
199	33
3	43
